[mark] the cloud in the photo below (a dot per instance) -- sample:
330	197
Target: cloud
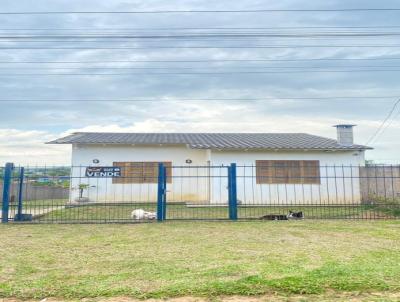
27	147
26	125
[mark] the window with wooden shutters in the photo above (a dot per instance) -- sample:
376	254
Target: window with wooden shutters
311	172
287	172
140	172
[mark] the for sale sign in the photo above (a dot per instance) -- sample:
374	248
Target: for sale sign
103	172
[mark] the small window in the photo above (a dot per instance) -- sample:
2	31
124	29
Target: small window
140	172
288	172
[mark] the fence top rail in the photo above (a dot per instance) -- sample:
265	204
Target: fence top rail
29	168
209	176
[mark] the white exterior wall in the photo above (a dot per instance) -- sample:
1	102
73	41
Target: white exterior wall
203	184
339	185
102	189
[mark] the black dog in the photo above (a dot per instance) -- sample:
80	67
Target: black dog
295	215
291	215
274	217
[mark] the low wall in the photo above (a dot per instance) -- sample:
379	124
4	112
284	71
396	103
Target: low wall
32	192
380	183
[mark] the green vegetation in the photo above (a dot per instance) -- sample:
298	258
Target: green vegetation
47	176
61	210
117	212
33	172
52	183
200	259
387	205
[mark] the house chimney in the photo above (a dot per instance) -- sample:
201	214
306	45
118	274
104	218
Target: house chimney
345	134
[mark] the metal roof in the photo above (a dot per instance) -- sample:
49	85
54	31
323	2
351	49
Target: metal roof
228	141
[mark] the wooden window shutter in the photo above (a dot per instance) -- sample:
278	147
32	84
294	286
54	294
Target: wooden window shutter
264	172
140	172
311	172
288	172
281	172
294	170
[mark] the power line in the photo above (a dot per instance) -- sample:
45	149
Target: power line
204	47
205	11
198	28
240	40
201	35
198	73
373	136
212	40
314	99
305	68
198	61
388	125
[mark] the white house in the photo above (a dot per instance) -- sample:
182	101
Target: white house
272	168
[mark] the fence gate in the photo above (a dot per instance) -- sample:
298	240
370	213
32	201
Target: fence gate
199	192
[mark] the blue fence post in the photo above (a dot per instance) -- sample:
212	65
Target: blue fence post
160	192
20	191
229	191
6	191
232	192
164	208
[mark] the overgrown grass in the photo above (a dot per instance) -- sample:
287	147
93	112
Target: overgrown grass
389	210
389	205
199	258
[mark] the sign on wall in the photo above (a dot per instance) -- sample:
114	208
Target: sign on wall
103	172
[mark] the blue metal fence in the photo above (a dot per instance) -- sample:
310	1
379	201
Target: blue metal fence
232	189
161	192
220	192
8	169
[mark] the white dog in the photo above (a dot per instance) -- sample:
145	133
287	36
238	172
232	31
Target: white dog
140	214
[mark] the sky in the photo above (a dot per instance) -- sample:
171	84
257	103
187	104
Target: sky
179	101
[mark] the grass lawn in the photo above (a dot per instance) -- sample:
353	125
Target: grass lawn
206	259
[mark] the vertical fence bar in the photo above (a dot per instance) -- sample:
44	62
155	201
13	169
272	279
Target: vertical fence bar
6	191
160	192
164	199
229	190
232	192
20	191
